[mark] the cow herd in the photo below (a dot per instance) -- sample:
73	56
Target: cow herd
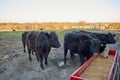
85	44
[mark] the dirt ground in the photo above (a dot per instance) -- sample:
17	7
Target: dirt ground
15	65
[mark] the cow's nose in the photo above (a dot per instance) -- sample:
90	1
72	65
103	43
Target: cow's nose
106	57
95	54
59	45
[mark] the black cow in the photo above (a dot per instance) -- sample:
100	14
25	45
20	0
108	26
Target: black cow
83	44
108	38
24	40
43	44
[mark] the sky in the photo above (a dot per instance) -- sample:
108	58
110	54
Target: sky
59	10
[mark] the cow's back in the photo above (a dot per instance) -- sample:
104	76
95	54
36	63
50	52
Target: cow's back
108	38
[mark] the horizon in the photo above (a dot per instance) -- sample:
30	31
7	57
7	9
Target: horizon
59	22
27	11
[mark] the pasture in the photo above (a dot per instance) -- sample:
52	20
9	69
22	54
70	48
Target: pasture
15	65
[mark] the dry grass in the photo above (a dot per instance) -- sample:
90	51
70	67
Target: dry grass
98	69
57	26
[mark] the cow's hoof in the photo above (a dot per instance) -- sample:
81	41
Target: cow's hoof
72	59
65	62
42	66
38	59
106	57
46	63
30	60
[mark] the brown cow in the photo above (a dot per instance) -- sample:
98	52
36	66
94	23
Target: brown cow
30	41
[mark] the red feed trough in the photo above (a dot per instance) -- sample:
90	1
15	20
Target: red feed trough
76	75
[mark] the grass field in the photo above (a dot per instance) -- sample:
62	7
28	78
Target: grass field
60	33
18	34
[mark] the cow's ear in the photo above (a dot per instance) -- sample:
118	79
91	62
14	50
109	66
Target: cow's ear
53	32
87	42
103	42
114	35
76	38
48	35
106	35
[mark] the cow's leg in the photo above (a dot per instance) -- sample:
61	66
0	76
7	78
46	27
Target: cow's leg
41	61
29	52
82	59
24	47
46	56
46	61
37	56
71	55
65	52
32	52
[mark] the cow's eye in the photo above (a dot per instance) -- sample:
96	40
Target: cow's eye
52	40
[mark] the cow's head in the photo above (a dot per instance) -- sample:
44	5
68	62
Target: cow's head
96	45
99	48
103	49
102	46
54	40
110	38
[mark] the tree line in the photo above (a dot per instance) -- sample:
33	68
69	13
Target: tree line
56	26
